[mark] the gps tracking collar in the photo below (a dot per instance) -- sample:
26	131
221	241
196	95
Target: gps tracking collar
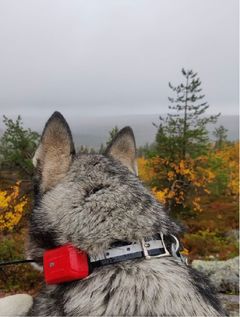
67	263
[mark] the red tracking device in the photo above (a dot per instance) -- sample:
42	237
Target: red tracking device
65	264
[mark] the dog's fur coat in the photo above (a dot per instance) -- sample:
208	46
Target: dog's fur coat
93	201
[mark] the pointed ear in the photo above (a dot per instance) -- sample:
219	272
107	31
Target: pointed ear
55	151
123	149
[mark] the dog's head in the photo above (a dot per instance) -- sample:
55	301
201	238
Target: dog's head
92	200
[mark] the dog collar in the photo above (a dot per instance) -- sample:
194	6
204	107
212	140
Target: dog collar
67	263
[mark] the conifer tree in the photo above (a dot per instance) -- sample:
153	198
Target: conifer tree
183	132
182	142
220	134
17	146
112	134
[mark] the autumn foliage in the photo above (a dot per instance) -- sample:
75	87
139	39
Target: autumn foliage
185	183
177	184
225	165
12	207
205	200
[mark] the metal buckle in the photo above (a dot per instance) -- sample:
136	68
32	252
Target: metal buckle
175	247
149	257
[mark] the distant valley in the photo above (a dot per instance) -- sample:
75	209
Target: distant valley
93	131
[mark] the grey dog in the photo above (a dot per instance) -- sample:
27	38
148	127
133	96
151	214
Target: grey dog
93	202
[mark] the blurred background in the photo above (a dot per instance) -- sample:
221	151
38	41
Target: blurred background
169	69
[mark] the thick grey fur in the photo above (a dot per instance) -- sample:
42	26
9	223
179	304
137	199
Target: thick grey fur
98	202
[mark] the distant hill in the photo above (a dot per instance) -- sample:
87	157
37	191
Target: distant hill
92	131
98	128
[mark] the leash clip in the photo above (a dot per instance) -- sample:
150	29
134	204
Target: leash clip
148	256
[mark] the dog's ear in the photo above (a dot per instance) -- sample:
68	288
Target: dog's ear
55	151
123	148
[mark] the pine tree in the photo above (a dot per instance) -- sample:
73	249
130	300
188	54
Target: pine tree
183	132
181	145
112	134
17	146
220	134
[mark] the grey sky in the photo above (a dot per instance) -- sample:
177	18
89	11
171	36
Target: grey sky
114	57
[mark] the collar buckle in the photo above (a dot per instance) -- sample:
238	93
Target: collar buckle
177	253
147	256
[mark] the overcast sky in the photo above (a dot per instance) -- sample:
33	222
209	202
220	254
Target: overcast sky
116	57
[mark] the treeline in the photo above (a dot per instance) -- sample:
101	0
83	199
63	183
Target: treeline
18	145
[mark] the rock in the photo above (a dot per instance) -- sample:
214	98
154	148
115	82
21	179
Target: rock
230	303
224	275
233	234
15	305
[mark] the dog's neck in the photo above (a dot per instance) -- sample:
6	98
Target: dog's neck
67	263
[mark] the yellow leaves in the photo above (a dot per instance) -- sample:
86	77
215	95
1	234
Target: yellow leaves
196	204
163	195
227	167
231	159
183	168
185	252
146	173
11	207
233	185
170	175
177	183
160	195
185	182
207	191
210	174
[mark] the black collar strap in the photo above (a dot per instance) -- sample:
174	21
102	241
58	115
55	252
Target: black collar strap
147	248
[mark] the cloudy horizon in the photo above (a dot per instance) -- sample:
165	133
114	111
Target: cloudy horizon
114	58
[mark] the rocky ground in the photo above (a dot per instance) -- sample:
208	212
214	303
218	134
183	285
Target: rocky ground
231	304
224	276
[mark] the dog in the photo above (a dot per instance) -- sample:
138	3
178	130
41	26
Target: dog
96	204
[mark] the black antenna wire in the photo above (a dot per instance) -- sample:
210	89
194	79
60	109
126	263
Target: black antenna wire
16	262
